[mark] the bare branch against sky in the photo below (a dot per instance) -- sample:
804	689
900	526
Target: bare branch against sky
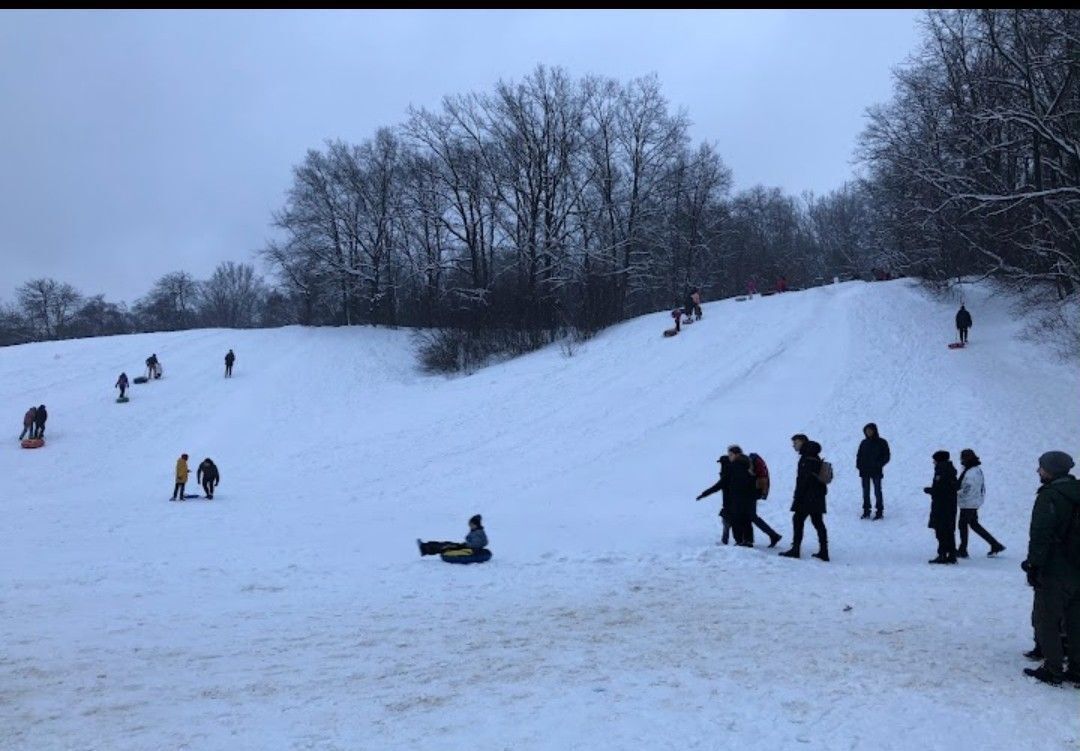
137	143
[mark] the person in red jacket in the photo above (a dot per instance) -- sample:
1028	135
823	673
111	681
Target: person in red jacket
781	284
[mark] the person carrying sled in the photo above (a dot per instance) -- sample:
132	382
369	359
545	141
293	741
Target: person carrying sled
475	540
230	358
208	476
122	384
181	478
28	423
963	323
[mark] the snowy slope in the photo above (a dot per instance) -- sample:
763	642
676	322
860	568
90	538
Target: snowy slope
293	612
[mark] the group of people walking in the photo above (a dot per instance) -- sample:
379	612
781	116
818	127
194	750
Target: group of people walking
744	480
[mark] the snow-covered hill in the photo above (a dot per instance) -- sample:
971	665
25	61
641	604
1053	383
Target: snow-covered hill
293	612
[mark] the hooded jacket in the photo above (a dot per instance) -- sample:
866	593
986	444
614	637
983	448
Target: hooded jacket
873	454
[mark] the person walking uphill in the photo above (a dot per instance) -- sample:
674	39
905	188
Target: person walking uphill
963	323
208	476
871	459
942	492
230	358
28	423
181	478
122	384
969	497
1053	567
809	501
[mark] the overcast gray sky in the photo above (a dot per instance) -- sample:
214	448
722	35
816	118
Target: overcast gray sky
137	143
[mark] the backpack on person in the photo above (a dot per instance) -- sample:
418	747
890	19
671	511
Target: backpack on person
825	473
760	471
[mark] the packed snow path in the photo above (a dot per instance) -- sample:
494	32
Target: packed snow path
293	612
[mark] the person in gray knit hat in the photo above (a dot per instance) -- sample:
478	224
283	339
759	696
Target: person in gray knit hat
1053	568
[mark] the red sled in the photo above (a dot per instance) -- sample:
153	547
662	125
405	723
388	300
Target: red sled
956	345
33	443
670	332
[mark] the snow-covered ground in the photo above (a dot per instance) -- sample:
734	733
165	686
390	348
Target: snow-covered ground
293	612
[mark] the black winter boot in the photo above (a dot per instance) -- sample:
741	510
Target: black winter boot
1035	654
793	553
775	539
880	514
1044	675
865	514
822	554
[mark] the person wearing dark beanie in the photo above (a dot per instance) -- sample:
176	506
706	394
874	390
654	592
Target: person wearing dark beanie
942	492
970	495
1053	568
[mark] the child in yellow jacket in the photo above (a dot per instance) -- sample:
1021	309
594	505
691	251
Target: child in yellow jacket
181	478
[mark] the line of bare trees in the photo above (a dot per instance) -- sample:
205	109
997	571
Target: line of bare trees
234	296
545	203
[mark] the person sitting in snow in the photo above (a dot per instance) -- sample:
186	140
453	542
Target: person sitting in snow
475	540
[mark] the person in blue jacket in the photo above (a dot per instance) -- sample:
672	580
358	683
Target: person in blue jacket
475	540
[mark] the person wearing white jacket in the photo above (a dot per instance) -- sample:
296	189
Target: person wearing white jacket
969	497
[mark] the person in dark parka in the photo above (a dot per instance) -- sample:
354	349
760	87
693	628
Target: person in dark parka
963	323
871	459
208	476
942	494
475	540
809	500
230	358
727	513
740	493
1051	570
39	421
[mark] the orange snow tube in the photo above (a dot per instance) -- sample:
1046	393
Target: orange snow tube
33	443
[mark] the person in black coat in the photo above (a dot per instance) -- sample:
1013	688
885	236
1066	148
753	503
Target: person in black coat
809	500
740	493
39	422
208	476
871	459
942	494
963	323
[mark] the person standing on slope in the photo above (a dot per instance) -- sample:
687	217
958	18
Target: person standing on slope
28	423
695	298
208	476
809	498
230	358
870	460
969	498
942	492
963	323
122	384
181	478
1053	568
151	366
40	416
